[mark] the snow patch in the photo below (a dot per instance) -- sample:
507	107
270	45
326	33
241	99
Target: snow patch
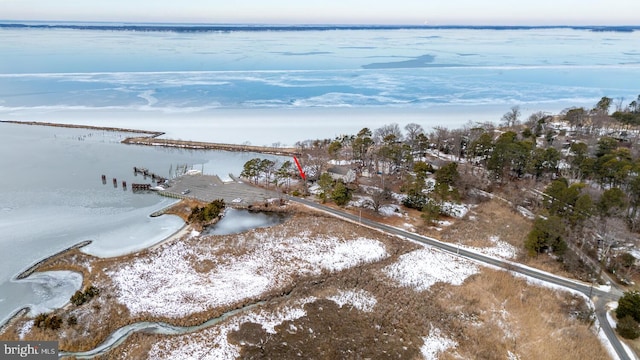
359	299
457	211
25	329
390	210
422	268
500	249
512	356
212	343
170	283
526	213
435	344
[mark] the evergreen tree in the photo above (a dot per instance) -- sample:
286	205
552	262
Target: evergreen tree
629	305
546	234
341	194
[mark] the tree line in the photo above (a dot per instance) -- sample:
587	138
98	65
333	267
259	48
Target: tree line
578	171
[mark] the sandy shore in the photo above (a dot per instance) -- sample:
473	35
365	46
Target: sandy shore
183	231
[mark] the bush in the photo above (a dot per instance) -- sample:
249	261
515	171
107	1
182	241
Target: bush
44	321
40	320
431	212
341	194
629	305
628	328
415	201
79	297
206	213
547	234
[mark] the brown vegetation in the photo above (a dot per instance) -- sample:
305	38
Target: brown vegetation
492	313
183	208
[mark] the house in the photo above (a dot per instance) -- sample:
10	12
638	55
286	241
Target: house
343	173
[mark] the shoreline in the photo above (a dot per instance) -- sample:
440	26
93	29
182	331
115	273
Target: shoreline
34	268
14	317
184	230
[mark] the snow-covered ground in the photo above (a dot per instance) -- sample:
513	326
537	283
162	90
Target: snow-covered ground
500	249
422	268
170	284
436	343
454	210
359	299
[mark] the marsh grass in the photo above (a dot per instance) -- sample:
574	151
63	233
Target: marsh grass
490	315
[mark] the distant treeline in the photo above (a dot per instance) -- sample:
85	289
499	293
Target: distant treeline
194	28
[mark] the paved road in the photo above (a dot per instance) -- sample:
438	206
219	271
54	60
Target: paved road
599	297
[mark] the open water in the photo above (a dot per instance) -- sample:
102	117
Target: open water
234	84
263	84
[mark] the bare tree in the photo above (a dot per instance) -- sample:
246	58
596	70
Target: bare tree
512	117
440	136
315	156
619	102
576	117
383	132
379	194
413	131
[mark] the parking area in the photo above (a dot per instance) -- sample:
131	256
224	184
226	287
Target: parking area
208	188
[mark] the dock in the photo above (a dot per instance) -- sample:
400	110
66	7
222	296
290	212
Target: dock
146	173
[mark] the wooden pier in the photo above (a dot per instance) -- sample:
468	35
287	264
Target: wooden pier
140	187
135	187
145	172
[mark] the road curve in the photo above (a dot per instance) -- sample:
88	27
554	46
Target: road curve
586	289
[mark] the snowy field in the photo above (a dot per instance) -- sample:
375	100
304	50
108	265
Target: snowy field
281	259
176	287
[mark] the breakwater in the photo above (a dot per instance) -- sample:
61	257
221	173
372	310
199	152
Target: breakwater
186	144
152	139
73	126
35	266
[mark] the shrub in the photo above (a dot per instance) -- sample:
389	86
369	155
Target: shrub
53	322
341	194
628	328
40	320
629	305
206	213
79	297
415	201
546	234
44	321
